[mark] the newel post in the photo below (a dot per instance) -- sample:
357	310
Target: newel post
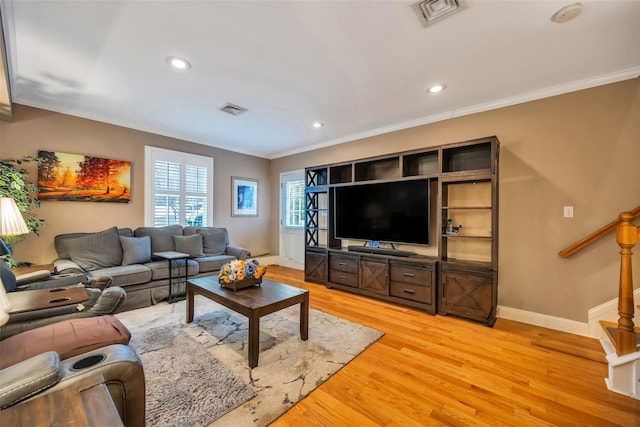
627	237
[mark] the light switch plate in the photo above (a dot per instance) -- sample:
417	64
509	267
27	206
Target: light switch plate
568	211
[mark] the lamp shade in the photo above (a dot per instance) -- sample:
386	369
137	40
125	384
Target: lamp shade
11	221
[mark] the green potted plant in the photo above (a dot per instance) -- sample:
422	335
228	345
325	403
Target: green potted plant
14	183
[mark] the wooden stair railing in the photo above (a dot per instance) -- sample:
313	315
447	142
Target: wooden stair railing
565	253
626	237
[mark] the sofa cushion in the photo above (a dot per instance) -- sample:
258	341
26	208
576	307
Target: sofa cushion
214	239
92	250
58	241
161	237
125	232
160	269
213	263
135	250
124	275
191	245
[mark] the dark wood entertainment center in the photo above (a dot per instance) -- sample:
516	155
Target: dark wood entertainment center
462	279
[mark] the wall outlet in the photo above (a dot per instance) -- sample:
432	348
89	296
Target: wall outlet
568	211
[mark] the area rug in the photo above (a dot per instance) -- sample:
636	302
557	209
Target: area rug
178	390
198	373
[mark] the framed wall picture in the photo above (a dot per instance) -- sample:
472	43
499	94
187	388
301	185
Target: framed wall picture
83	178
244	196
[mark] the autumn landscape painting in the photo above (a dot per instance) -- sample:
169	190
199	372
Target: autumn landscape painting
75	177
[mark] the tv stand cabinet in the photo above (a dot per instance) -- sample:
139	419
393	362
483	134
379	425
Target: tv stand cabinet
408	281
463	279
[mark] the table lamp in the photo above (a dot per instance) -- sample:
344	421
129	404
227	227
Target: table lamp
11	222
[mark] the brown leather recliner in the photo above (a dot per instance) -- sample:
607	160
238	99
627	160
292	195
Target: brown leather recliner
101	301
79	353
116	366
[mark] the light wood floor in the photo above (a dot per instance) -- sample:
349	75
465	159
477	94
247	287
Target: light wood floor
438	370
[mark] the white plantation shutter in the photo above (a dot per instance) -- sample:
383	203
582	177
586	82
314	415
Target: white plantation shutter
166	204
179	188
294	208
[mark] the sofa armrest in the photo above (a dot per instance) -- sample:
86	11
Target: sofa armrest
238	252
26	378
98	282
63	265
121	370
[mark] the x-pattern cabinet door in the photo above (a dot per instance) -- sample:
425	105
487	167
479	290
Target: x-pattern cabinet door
468	294
315	266
374	276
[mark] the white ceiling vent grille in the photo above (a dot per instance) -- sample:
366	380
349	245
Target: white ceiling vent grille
433	10
234	110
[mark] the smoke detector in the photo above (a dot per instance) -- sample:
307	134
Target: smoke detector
234	110
567	13
433	10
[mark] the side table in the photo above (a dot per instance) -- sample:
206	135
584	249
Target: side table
31	268
172	256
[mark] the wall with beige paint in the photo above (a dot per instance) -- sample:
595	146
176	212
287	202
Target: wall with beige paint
580	149
33	129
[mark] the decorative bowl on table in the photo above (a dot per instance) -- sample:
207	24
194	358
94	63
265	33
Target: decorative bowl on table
241	274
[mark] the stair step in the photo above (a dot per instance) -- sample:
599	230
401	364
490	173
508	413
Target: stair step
611	328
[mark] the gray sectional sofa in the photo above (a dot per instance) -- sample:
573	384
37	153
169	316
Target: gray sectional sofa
127	257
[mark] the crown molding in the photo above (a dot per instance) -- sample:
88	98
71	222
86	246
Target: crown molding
562	89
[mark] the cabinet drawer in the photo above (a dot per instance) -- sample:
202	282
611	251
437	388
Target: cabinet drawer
343	278
410	275
411	292
343	263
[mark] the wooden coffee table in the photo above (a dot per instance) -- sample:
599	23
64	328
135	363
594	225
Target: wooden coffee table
252	302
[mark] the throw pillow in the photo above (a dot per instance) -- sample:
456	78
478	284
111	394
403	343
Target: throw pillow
95	250
214	240
191	245
135	250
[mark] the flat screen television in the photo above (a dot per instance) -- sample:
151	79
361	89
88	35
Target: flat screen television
396	212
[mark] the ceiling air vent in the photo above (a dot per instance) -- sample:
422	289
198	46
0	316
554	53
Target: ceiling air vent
433	10
234	110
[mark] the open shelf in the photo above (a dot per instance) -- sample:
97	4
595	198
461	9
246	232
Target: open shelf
380	169
467	158
341	174
420	164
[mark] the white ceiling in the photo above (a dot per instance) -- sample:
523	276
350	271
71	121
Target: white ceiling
360	67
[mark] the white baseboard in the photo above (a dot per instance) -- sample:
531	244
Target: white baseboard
543	320
278	260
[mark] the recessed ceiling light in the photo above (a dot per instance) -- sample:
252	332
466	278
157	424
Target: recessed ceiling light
567	13
318	125
436	88
179	63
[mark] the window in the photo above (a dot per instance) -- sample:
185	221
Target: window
178	188
294	203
